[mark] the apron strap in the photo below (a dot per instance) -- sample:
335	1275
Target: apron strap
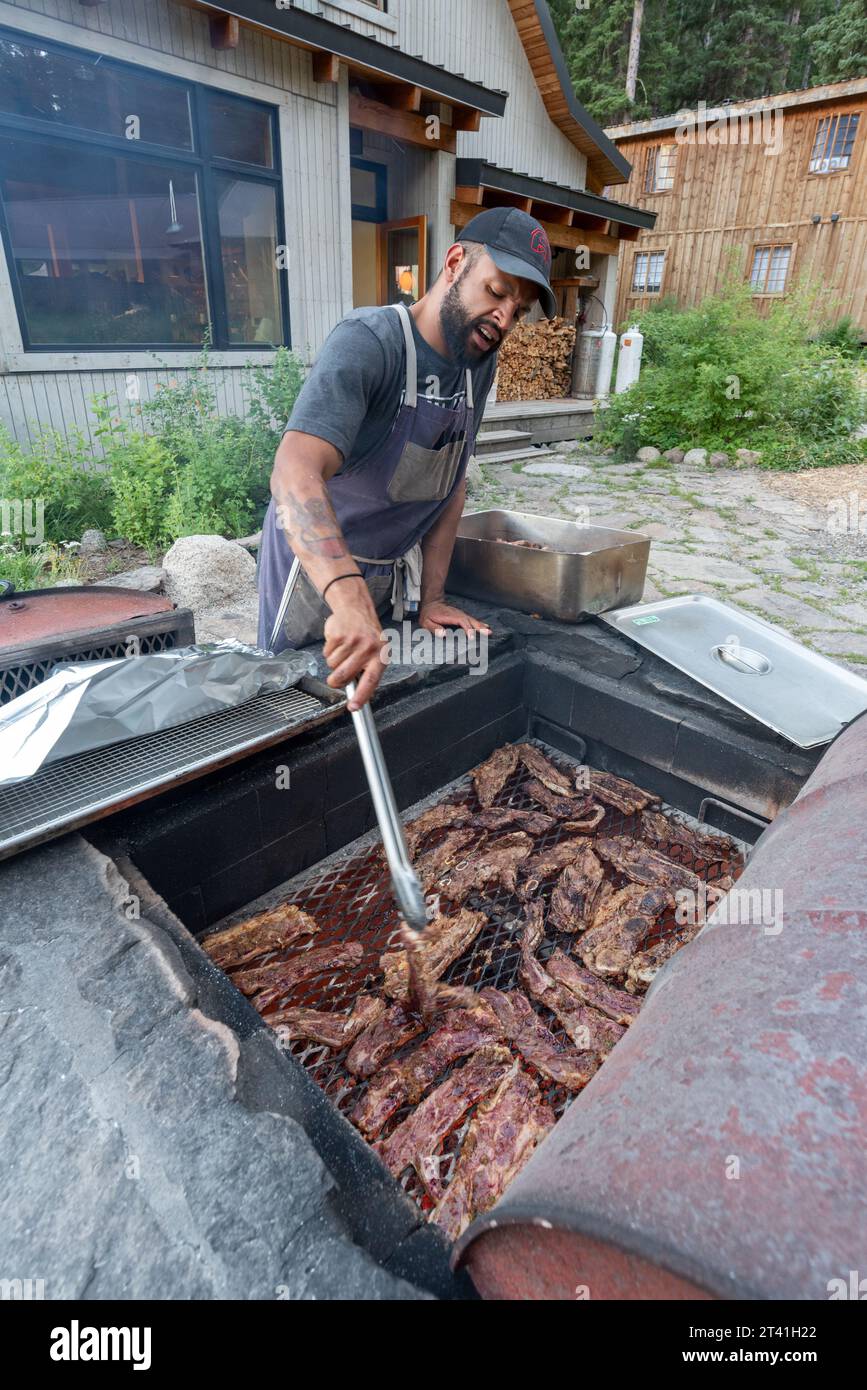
411	397
470	402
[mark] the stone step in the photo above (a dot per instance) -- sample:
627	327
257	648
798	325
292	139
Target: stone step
493	441
515	456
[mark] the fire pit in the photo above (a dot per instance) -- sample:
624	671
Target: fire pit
231	844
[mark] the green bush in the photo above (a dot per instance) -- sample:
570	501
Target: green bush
179	469
36	567
722	376
59	471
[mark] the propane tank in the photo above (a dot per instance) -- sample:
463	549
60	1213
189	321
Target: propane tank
629	362
605	363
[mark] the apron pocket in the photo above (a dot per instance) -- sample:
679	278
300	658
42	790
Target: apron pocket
426	475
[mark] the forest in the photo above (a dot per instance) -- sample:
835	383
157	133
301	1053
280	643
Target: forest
633	59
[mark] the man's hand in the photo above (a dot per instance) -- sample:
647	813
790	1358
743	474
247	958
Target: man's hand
354	649
437	615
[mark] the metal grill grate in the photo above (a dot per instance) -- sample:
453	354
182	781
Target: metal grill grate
350	898
81	788
17	680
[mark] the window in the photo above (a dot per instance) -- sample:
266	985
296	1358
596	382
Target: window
770	269
137	210
369	191
832	147
659	166
647	272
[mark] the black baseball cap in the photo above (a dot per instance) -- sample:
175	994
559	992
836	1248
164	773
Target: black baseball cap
519	246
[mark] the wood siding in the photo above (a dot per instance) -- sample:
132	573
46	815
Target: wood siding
728	199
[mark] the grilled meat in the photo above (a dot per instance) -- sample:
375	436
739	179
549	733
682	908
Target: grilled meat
615	791
544	771
441	944
620	927
559	806
506	1128
550	861
646	965
435	862
574	898
588	820
405	1080
415	1142
267	931
437	818
537	1045
588	1030
589	989
493	866
666	831
279	976
491	776
533	822
642	864
380	1040
332	1030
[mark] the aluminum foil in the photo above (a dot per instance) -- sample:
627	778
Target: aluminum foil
92	704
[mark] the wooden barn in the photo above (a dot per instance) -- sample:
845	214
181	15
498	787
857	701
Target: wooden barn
780	184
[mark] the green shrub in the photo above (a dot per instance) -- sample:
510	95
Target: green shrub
722	376
844	335
60	471
36	567
143	475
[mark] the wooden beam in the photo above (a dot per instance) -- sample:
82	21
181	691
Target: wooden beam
549	212
568	238
626	233
466	194
326	67
225	30
401	98
499	198
403	125
465	119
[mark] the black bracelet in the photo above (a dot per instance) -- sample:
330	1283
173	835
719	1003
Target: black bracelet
337	581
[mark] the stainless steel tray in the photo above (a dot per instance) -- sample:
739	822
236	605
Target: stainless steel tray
585	570
756	667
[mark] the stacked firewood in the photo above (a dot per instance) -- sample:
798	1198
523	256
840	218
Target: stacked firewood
536	361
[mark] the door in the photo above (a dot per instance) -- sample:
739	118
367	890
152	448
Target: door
402	260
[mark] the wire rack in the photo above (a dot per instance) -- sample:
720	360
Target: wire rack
350	898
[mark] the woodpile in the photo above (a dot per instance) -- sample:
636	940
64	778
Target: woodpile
536	361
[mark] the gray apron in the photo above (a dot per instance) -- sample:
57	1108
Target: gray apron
385	504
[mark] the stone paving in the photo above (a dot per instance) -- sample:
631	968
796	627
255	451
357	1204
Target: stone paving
727	532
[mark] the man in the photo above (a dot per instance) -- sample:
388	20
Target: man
369	481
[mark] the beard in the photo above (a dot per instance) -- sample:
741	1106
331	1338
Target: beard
458	327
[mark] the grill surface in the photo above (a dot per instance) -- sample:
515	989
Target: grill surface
350	897
82	788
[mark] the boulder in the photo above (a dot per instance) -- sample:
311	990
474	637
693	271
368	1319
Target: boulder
149	578
674	455
747	458
93	542
648	455
696	458
719	460
205	572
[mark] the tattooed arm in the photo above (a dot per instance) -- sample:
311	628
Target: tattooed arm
353	644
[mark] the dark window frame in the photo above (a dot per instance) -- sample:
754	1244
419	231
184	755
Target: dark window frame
361	213
206	168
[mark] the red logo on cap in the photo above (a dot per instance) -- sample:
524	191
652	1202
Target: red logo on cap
540	244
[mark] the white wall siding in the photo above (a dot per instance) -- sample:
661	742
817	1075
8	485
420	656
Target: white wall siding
478	38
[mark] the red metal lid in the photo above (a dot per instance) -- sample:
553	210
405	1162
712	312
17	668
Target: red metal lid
38	615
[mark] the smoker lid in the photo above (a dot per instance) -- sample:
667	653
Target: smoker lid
38	615
756	667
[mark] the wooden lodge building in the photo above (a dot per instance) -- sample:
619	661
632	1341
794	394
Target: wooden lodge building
781	182
252	170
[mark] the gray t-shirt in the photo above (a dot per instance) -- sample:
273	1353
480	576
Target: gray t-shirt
357	385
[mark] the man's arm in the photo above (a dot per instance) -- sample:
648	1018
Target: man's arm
437	548
353	644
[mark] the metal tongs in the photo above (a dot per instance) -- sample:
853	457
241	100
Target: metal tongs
404	880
